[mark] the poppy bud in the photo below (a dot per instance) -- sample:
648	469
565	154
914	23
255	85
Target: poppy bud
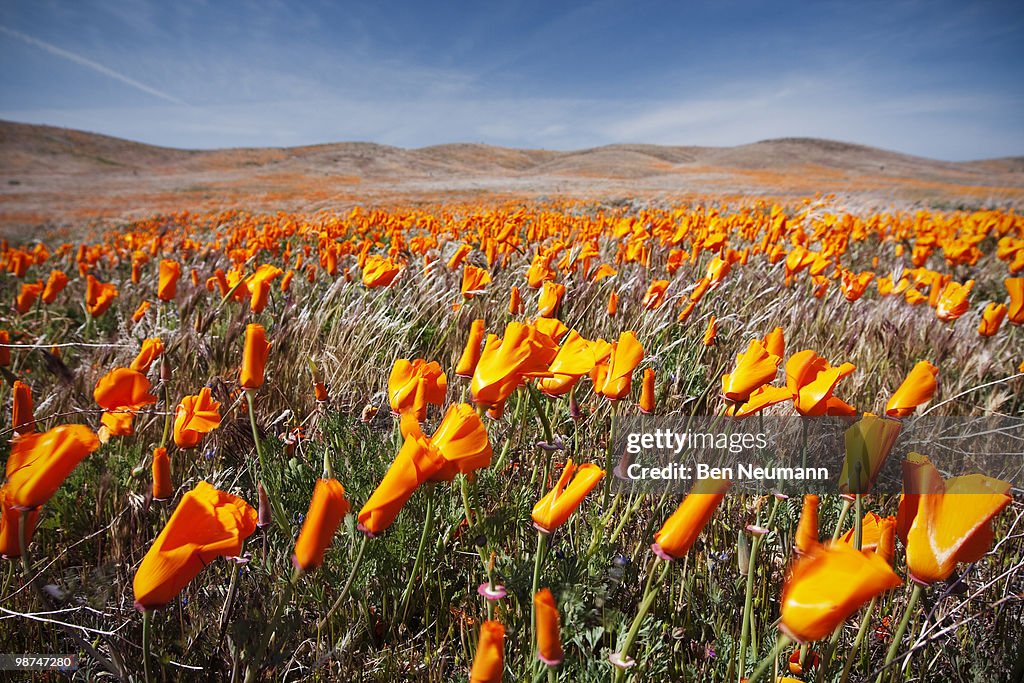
326	509
264	518
162	487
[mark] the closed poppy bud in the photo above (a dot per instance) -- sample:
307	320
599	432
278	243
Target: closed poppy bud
167	288
548	628
10	544
320	392
162	487
489	662
459	256
40	462
680	531
917	388
711	332
151	350
207	524
515	301
991	319
286	281
686	311
254	357
575	482
54	286
194	277
140	311
471	354
647	392
23	420
264	517
828	585
5	350
807	529
326	510
886	548
613	304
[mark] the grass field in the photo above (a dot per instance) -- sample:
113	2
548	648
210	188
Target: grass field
343	296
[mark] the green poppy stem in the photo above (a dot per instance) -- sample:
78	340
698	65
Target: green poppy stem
286	595
842	519
147	619
898	636
428	526
861	632
608	455
654	581
858	522
356	564
769	661
275	503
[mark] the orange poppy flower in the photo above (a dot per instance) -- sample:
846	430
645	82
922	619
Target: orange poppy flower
1015	288
855	284
558	504
207	524
489	662
946	522
812	381
98	296
459	256
195	416
952	301
54	286
151	350
23	420
30	291
414	384
548	628
655	295
474	280
868	443
613	304
379	271
254	357
755	367
515	301
761	398
806	539
460	444
259	284
829	584
326	510
162	487
471	354
718	268
991	319
918	387
576	357
647	392
505	361
170	272
699	290
876	533
614	377
711	332
40	462
123	389
140	311
550	299
680	531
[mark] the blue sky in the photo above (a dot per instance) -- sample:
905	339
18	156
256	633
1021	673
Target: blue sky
935	78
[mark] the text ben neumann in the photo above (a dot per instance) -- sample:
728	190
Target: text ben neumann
669	442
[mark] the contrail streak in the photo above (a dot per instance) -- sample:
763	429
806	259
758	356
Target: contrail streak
88	63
